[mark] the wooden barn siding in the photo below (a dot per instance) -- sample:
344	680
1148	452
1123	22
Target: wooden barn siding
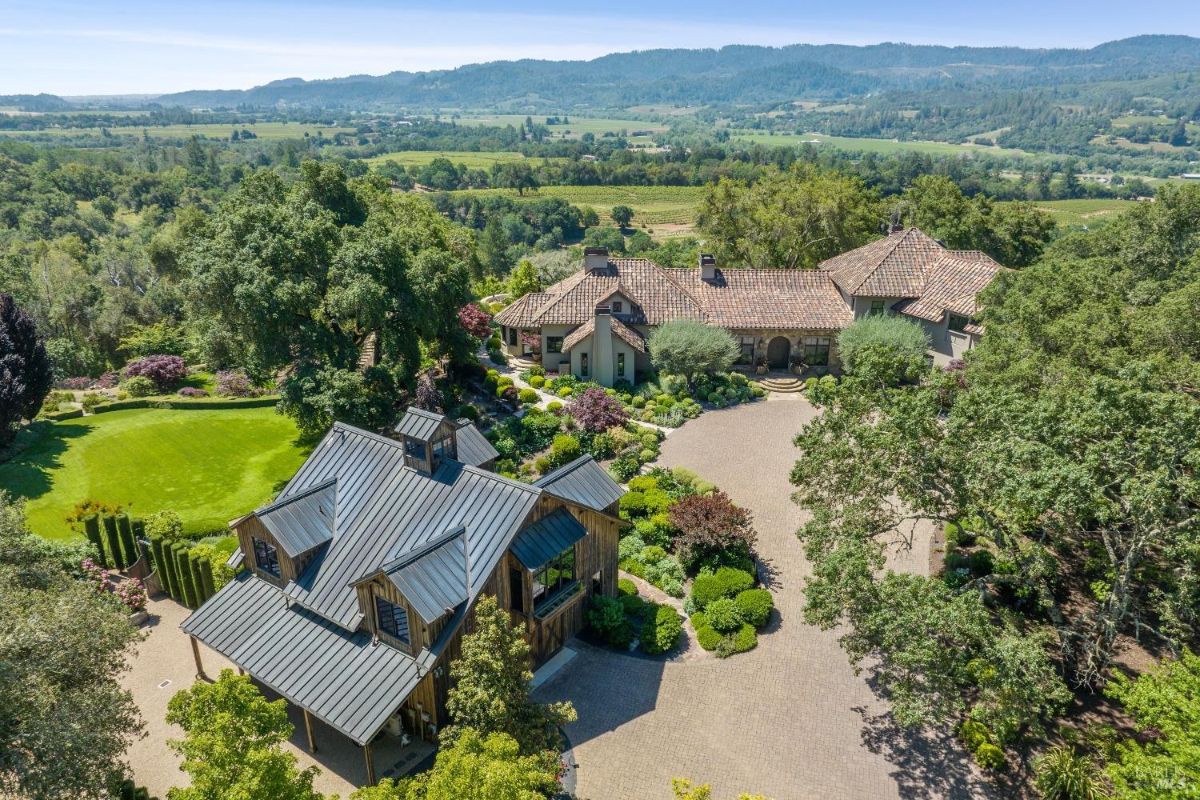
250	528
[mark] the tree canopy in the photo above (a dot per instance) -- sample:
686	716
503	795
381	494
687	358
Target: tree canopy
231	746
65	721
1064	459
491	686
293	278
690	348
796	218
883	349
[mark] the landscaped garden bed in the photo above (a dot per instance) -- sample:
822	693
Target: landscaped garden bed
686	538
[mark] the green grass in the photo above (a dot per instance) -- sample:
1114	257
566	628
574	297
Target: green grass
652	205
263	130
881	146
1081	213
472	159
207	466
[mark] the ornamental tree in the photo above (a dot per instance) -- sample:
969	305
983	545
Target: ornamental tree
524	280
491	686
26	373
709	524
475	321
232	744
689	348
164	370
596	411
476	767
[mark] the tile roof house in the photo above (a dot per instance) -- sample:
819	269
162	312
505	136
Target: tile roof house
594	323
360	578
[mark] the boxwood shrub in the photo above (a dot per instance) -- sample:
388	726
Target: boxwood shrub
528	396
723	615
754	606
661	629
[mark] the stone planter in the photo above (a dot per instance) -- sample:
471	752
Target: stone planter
797	369
139	617
761	369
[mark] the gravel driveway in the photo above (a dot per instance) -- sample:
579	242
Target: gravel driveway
788	719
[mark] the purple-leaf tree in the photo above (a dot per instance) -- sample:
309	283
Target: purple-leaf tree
26	373
597	411
429	397
164	370
475	321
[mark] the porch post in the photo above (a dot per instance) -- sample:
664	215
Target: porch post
196	655
312	742
370	757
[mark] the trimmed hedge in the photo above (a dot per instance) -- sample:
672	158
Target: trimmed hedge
58	416
179	403
91	529
725	582
125	532
113	539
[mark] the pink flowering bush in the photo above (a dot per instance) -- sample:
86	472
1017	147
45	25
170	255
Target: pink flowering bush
192	391
76	383
597	411
235	383
108	380
165	371
129	591
475	321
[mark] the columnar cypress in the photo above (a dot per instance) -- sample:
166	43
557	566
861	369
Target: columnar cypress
197	579
125	531
139	536
91	529
114	541
186	579
206	577
158	549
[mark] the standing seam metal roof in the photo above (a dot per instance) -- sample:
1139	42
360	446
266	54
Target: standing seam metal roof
342	678
419	423
386	510
473	447
546	538
303	521
582	481
434	581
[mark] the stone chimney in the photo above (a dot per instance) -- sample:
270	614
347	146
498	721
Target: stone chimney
602	346
708	267
595	258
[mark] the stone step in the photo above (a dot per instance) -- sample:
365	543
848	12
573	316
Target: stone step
782	385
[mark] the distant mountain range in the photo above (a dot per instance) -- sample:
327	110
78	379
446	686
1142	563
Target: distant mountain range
734	74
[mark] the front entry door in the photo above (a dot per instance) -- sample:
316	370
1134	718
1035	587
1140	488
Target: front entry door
777	352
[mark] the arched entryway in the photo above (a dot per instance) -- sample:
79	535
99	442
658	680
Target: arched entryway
778	350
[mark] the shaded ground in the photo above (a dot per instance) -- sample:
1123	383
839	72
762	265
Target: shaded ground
788	719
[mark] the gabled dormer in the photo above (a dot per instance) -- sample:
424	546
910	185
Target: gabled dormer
430	439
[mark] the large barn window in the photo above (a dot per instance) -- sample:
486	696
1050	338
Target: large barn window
746	356
557	574
391	619
266	557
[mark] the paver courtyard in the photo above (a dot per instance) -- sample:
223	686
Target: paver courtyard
788	719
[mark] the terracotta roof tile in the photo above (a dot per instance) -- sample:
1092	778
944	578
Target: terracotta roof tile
895	266
954	282
767	298
622	331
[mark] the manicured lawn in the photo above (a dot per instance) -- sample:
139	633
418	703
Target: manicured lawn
208	466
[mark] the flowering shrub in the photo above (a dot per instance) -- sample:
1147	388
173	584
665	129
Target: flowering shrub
235	383
108	380
475	321
164	370
129	591
595	410
192	391
76	383
533	342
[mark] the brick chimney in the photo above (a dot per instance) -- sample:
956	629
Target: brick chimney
595	258
708	267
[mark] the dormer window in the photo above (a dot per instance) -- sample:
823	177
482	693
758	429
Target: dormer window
392	620
442	449
416	455
430	440
266	557
617	307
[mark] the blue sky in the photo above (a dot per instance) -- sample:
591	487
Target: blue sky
138	46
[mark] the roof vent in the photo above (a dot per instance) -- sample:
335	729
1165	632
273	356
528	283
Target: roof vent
595	258
708	267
